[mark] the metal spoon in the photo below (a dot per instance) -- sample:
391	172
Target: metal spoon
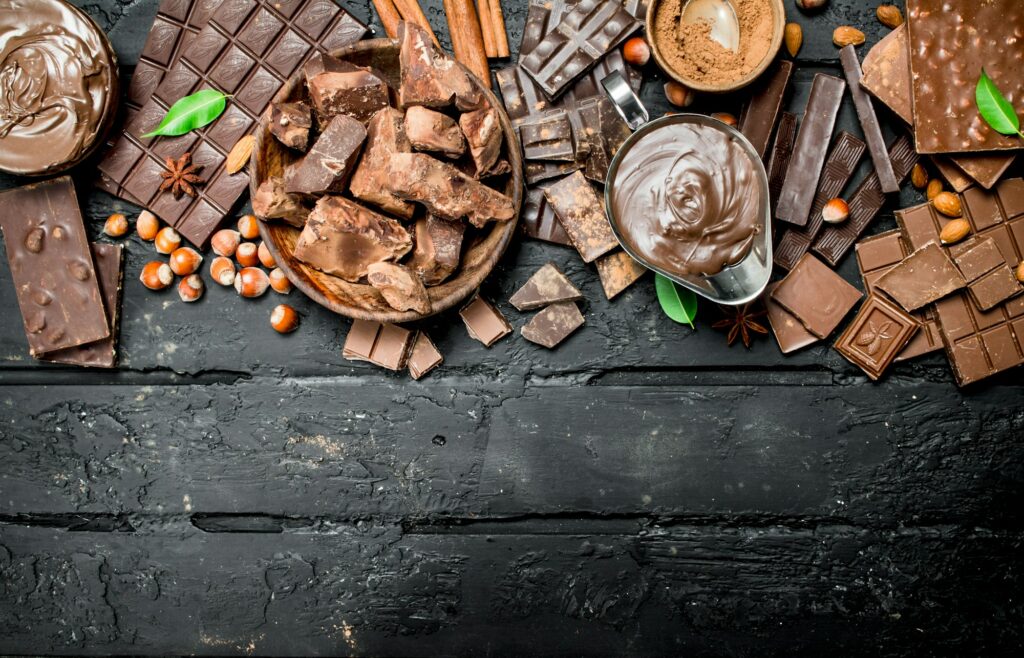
725	26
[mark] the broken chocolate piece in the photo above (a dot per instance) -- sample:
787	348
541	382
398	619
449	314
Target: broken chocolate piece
758	118
432	131
547	286
484	322
424	356
990	281
553	325
816	296
343	238
272	202
877	334
868	121
547	136
618	271
790	333
345	88
438	249
482	129
581	213
290	123
329	163
385	137
445	191
538	220
385	345
431	78
923	277
401	289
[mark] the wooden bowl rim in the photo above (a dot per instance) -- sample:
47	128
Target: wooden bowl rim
466	288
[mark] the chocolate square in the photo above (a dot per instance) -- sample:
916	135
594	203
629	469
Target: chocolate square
818	297
484	322
424	356
877	334
921	278
789	333
990	281
581	213
553	325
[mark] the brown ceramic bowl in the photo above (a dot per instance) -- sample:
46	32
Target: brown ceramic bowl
361	301
778	27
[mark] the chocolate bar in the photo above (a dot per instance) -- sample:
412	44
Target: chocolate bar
982	35
385	345
868	121
865	203
812	140
432	131
592	29
546	286
921	278
878	333
990	281
782	151
424	356
759	115
580	211
400	287
484	322
541	18
547	136
538	219
248	48
603	131
789	333
330	161
52	267
842	161
553	325
816	296
617	272
438	248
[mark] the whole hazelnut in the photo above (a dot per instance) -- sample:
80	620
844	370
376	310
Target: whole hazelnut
185	261
251	282
190	288
284	319
167	240
246	254
678	95
116	225
835	211
725	118
279	282
225	241
222	270
147	225
156	275
249	227
636	51
266	258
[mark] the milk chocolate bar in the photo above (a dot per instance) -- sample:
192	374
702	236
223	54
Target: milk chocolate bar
789	333
759	115
385	345
424	356
553	325
990	281
868	121
816	296
877	334
581	213
484	322
921	278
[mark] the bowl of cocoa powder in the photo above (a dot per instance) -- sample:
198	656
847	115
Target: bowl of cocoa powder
687	53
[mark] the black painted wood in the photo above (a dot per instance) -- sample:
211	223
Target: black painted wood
644	489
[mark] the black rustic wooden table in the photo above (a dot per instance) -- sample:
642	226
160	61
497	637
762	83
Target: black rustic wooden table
643	489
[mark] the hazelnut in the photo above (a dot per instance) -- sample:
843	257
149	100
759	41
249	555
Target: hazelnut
147	225
1019	272
251	282
954	231
279	282
265	256
156	275
222	270
116	225
678	95
725	118
167	240
919	176
845	35
246	254
835	211
284	319
185	261
794	38
190	288
225	241
810	5
889	16
636	51
948	204
249	227
933	189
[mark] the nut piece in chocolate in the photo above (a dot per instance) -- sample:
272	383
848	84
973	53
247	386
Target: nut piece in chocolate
429	77
344	88
290	123
343	238
272	202
483	133
385	136
330	162
400	287
445	191
432	131
438	248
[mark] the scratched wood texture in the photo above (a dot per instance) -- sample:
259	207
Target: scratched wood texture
642	490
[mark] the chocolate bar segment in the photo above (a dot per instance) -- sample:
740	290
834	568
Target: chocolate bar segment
546	286
921	278
759	115
385	345
537	218
868	121
617	272
547	136
878	333
541	18
782	151
816	296
52	266
484	322
581	213
990	281
789	333
553	325
424	356
809	152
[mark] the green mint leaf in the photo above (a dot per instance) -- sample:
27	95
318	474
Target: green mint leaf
994	108
678	303
191	112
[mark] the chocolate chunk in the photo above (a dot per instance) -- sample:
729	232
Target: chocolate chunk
52	266
482	129
399	286
547	136
782	152
868	121
344	239
990	281
538	219
538	171
272	202
553	325
789	333
347	89
759	115
484	322
618	271
290	123
445	191
921	278
604	132
816	296
432	131
877	334
546	286
385	137
103	353
438	249
431	78
581	212
424	356
331	160
385	345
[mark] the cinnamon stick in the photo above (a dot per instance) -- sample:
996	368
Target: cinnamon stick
389	16
487	27
500	35
467	39
412	12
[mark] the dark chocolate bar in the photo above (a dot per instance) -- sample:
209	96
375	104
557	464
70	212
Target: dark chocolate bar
816	296
759	115
877	334
538	219
617	272
809	152
541	18
868	121
548	285
248	48
782	151
581	212
553	325
990	281
547	136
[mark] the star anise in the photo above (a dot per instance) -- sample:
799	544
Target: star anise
181	176
740	322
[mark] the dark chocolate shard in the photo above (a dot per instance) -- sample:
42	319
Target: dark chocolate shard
482	129
876	336
438	249
432	131
330	161
484	322
618	271
424	356
925	276
385	137
290	123
547	136
343	238
760	114
431	78
553	325
347	89
546	286
581	212
272	202
400	287
445	191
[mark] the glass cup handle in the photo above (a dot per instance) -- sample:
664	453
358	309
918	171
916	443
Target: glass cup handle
625	100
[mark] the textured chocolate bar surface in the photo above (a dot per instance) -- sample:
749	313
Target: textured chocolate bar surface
789	333
782	151
921	278
759	115
537	218
248	48
877	334
581	212
990	280
547	136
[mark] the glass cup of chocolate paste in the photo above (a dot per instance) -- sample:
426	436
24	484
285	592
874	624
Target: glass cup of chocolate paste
687	197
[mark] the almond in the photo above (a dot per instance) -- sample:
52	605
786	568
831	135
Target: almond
934	188
240	154
954	231
948	204
845	35
835	211
919	176
794	36
889	16
1019	272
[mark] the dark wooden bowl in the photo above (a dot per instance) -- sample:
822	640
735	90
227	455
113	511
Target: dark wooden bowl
360	301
